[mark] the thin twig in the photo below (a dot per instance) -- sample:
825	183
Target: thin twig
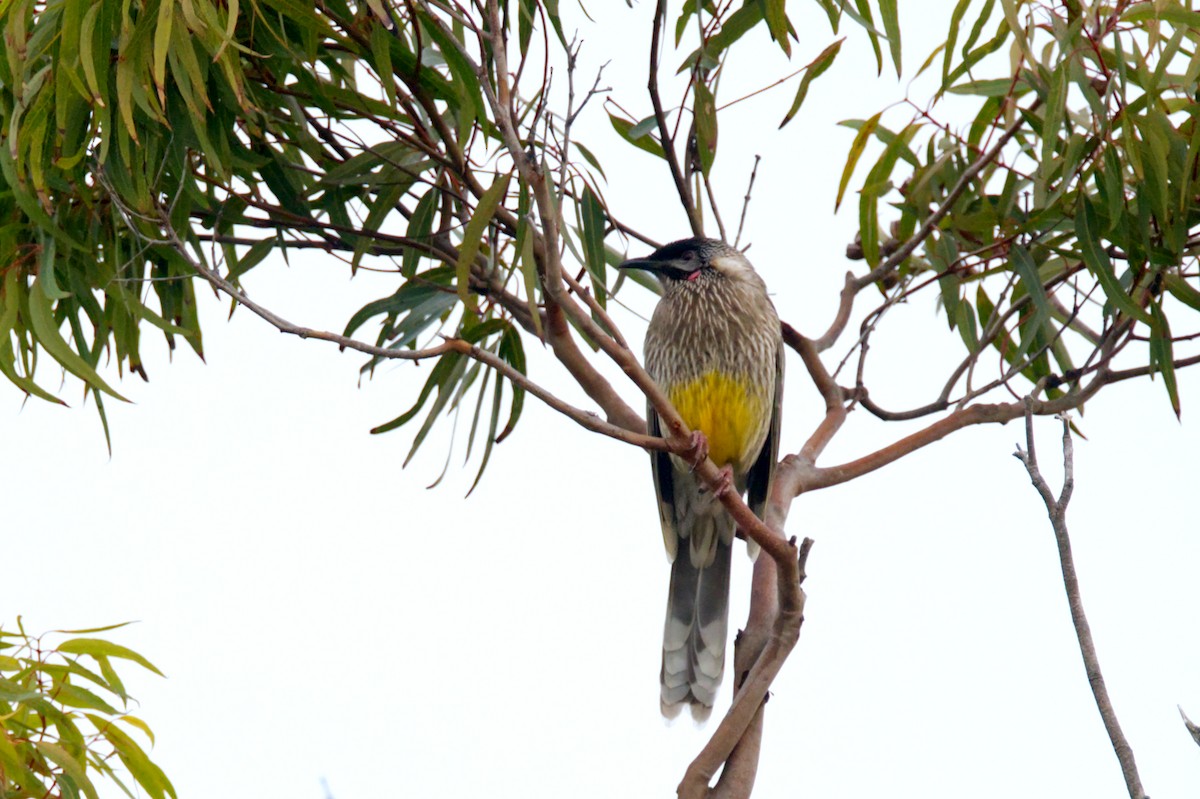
712	203
668	143
746	200
1057	511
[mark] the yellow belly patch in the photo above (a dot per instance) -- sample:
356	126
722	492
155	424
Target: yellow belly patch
723	408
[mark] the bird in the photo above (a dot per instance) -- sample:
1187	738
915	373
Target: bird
714	346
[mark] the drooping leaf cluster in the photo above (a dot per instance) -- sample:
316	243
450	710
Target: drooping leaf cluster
61	730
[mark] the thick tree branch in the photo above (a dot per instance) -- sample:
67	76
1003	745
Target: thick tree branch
813	478
1056	509
835	400
752	692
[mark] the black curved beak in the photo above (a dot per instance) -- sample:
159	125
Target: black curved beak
646	264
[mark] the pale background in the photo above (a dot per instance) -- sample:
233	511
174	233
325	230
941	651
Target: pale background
321	616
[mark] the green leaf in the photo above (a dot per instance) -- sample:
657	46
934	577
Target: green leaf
891	26
381	53
856	151
78	696
997	87
441	370
1099	264
420	228
513	350
705	107
466	81
70	766
98	647
1175	14
812	71
147	774
594	221
446	389
493	423
732	29
644	127
162	41
1019	34
960	9
965	322
473	235
1182	290
1162	354
528	265
111	676
865	20
134	721
591	159
777	24
41	321
624	128
1031	279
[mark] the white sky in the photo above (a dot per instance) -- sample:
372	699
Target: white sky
321	616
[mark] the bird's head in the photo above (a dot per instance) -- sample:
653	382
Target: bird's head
694	260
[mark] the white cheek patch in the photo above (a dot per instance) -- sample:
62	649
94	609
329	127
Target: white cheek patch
729	265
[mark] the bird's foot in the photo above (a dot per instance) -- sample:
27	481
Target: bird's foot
697	451
724	481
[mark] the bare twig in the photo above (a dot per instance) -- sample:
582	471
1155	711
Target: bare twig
1192	728
712	203
746	200
1056	508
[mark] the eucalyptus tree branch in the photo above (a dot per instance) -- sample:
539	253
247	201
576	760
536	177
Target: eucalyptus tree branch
805	477
1056	509
668	142
748	699
610	327
831	392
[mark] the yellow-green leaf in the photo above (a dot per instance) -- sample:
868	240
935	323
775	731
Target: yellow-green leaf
856	150
100	647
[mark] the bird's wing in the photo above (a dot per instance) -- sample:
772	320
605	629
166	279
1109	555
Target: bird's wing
664	486
762	473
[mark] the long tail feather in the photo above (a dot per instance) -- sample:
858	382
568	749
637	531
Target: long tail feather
695	633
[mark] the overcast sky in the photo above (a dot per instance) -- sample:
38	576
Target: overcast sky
321	616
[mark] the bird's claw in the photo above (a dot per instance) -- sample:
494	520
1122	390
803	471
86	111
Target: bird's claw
724	481
697	451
